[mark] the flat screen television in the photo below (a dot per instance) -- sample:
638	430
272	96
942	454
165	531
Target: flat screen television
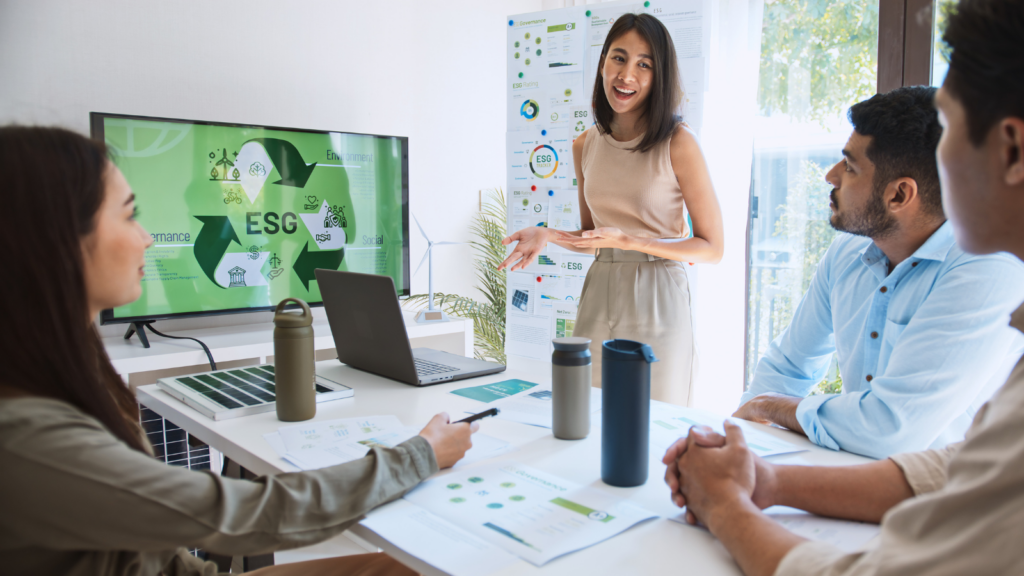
241	215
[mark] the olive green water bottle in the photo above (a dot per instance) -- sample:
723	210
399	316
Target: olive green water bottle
294	372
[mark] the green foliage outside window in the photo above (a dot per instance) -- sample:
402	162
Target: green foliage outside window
817	57
805	215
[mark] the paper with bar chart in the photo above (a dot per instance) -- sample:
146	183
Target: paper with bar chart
532	514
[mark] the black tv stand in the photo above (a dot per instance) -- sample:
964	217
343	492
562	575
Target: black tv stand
140	328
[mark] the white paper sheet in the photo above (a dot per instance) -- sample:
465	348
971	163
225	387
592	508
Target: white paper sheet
540	157
318	434
437	541
528	208
669	423
563	319
532	514
315	458
528	332
533	407
847	535
276	442
564	210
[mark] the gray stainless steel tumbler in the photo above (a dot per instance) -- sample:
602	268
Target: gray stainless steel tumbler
625	411
570	387
294	374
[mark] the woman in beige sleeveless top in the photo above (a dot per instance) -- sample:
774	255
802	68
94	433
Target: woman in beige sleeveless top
638	171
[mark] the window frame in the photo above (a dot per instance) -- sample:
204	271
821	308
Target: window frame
905	51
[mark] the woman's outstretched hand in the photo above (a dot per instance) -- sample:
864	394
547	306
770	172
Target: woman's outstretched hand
531	242
449	441
605	237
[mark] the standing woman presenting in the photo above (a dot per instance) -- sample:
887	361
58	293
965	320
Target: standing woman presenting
637	170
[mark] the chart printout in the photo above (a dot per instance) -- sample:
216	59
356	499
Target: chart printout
535	515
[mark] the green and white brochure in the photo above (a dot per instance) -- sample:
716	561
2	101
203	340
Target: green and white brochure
532	514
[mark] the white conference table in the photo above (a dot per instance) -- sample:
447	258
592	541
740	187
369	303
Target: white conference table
652	547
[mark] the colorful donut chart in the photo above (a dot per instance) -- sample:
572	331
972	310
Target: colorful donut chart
544	158
529	110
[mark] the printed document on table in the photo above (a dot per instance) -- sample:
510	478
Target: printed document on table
483	447
533	407
847	535
669	423
532	514
495	391
317	434
436	541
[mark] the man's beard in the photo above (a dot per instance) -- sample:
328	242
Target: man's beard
872	221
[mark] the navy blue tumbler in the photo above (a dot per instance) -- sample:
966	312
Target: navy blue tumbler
626	411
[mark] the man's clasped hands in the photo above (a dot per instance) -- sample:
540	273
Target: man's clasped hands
715	476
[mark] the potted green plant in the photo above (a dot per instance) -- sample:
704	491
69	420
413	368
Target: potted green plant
488	315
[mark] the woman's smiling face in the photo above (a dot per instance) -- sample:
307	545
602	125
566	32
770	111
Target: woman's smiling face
628	72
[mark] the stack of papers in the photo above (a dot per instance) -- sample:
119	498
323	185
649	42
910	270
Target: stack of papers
533	406
526	512
669	423
331	442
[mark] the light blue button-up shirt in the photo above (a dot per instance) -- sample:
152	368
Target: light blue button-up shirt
920	349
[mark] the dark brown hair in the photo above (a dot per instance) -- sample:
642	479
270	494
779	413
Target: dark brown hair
985	47
53	188
904	129
666	94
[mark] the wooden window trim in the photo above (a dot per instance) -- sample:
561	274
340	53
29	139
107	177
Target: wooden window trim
904	43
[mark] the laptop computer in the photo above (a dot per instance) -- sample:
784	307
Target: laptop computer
369	333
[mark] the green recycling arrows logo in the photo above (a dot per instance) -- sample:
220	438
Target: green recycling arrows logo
251	167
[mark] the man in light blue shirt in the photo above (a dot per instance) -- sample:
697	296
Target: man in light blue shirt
919	327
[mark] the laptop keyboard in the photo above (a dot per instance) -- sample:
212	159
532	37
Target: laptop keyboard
427	368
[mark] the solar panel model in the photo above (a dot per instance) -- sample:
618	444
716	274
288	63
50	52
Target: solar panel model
231	393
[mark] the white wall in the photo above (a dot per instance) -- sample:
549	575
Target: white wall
432	71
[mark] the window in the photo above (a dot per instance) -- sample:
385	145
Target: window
817	58
939	64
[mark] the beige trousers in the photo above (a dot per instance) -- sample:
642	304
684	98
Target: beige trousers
636	296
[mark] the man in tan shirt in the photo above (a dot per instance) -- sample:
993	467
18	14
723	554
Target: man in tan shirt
959	510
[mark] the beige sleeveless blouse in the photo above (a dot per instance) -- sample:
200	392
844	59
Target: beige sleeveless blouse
635	192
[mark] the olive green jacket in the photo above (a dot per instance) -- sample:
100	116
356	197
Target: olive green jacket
75	500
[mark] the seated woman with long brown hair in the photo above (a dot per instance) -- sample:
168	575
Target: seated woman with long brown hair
80	492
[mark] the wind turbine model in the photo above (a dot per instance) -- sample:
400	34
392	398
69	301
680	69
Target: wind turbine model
430	314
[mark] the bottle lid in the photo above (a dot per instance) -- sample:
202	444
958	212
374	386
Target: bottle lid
571	344
284	319
627	350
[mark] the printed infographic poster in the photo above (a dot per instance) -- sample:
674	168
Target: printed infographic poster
541	158
528	207
241	217
546	42
532	514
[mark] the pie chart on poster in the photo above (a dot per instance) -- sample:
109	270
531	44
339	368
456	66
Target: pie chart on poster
529	110
543	161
